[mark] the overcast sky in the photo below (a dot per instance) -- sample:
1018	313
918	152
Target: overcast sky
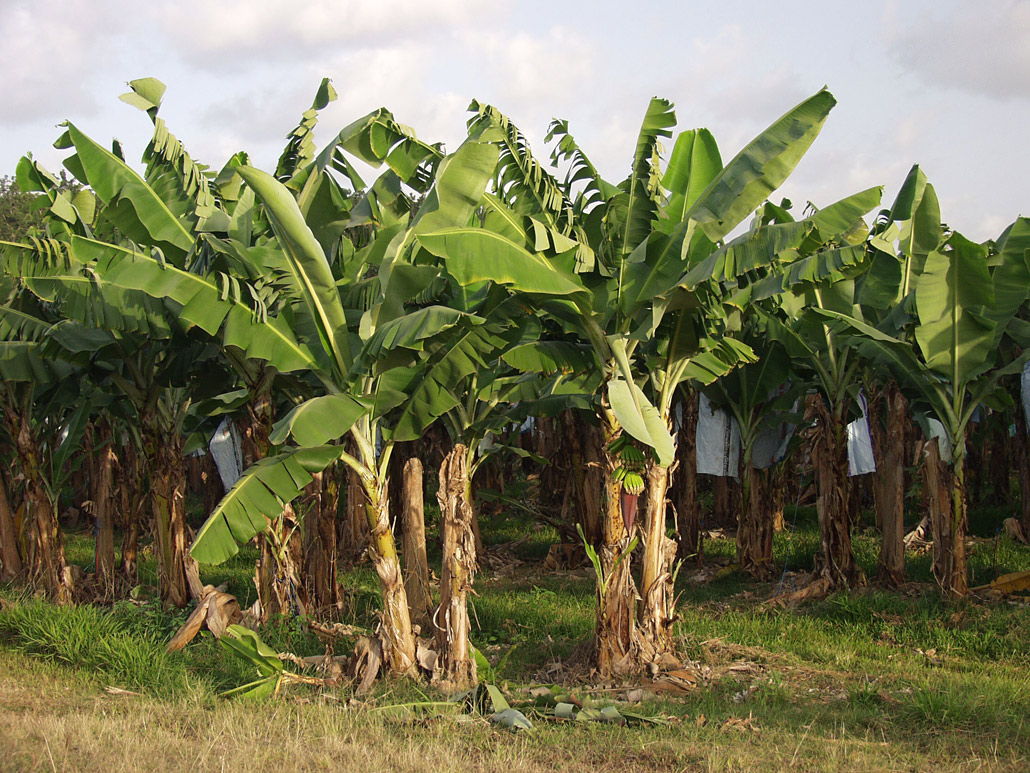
942	83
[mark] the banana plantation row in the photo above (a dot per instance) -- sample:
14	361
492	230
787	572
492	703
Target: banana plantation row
334	320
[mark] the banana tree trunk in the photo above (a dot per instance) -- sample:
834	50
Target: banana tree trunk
688	508
889	486
413	544
320	548
657	609
44	559
1022	441
354	530
178	576
755	528
458	667
948	519
615	634
778	493
398	637
103	510
278	576
10	556
836	560
584	448
722	509
131	499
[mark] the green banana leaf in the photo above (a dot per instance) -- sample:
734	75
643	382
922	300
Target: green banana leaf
474	255
640	419
694	163
760	168
307	269
132	205
258	496
952	293
319	420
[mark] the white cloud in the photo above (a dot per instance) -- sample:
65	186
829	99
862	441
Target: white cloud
531	68
50	54
231	32
981	49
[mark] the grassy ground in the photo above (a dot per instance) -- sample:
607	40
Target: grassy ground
863	681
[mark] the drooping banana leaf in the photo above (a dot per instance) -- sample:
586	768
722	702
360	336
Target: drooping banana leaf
320	420
430	387
131	204
522	181
258	496
640	419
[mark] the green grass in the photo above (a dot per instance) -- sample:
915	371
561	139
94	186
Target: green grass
870	679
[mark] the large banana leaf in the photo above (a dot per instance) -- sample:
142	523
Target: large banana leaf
432	388
785	242
596	190
22	361
132	205
409	332
308	270
954	333
300	146
378	138
550	357
458	188
171	172
694	163
475	255
760	168
56	274
258	496
640	419
119	278
320	420
522	181
1012	276
641	188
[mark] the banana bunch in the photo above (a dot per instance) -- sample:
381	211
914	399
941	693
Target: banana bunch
633	463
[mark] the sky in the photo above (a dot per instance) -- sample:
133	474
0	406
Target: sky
941	83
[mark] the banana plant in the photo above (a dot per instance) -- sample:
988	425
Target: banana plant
964	299
608	263
760	398
900	240
376	387
45	409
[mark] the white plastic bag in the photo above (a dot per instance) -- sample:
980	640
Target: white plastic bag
718	441
860	443
227	453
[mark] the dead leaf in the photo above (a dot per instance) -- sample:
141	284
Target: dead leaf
427	657
1013	582
366	662
677	680
1014	530
119	691
217	610
743	724
190	628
